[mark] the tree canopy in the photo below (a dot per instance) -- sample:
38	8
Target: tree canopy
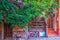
24	11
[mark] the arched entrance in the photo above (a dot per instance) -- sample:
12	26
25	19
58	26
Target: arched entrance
38	25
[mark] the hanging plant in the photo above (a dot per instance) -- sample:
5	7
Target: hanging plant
22	12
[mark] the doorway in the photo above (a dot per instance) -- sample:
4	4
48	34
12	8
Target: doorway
7	31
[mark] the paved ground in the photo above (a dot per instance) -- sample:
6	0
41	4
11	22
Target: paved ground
57	38
46	38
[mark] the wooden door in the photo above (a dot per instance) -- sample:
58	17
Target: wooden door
7	31
1	26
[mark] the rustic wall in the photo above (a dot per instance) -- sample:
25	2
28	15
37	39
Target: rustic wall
1	27
59	21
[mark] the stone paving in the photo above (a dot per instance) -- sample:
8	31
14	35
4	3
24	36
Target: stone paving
46	38
57	38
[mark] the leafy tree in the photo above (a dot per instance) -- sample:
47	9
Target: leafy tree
22	12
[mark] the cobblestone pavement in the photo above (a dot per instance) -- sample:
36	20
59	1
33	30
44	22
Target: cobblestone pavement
54	38
57	38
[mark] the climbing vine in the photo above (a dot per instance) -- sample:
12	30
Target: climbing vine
24	11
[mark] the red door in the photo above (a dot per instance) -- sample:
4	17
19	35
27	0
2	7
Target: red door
7	31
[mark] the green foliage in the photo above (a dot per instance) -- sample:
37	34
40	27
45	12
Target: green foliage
20	14
1	17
